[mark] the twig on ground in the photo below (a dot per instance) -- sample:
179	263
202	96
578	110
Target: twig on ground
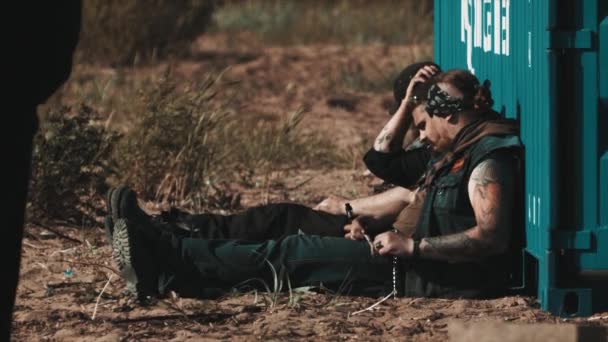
300	184
66	284
99	297
30	245
54	231
179	310
375	304
67	250
210	318
42	265
95	264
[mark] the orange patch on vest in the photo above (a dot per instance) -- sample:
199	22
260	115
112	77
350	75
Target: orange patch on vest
457	165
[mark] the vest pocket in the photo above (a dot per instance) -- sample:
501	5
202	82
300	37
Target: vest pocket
447	192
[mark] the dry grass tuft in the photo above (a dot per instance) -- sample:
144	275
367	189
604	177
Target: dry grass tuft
287	22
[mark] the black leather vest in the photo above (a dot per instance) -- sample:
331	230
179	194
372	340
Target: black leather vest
447	210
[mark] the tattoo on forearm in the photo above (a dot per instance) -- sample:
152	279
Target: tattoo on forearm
382	140
392	133
455	247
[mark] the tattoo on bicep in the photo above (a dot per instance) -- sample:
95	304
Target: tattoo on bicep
489	190
486	172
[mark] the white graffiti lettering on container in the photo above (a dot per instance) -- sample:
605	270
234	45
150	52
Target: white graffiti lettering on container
485	24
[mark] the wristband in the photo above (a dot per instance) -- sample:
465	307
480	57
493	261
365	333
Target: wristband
349	211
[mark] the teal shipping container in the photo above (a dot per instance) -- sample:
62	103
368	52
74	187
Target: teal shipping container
547	61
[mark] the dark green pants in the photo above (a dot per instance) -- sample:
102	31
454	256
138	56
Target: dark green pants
205	268
268	222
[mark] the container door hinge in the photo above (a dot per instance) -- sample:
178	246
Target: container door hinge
581	39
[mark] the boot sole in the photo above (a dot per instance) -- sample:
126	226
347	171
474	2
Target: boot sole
114	197
135	262
122	254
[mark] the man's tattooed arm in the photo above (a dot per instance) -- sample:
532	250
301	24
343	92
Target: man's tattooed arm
491	195
391	136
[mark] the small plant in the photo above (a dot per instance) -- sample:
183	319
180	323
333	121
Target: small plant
185	144
71	161
272	295
171	151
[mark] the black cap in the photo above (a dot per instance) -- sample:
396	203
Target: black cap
403	81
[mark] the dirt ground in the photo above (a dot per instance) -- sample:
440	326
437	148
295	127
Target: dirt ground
70	291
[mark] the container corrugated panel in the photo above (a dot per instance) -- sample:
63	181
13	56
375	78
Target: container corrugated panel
547	61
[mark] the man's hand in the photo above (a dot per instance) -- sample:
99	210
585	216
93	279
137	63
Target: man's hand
333	205
355	230
391	243
391	137
421	76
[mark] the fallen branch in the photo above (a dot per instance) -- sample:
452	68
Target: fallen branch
54	231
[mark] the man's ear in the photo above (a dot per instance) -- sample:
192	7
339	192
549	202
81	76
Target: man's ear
452	118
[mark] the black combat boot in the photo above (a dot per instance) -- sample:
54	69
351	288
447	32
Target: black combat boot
141	253
121	203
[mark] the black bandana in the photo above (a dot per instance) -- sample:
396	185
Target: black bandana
441	103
